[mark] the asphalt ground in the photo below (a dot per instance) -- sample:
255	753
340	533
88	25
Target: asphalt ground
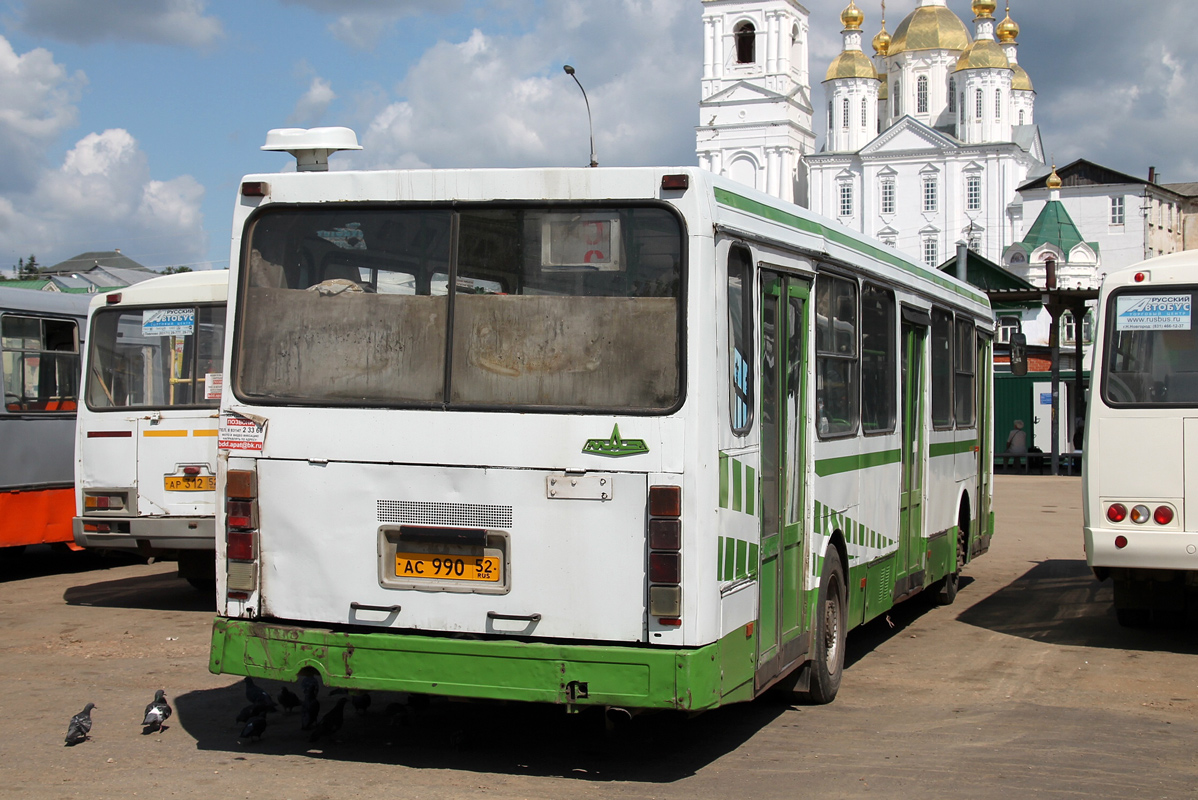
1025	687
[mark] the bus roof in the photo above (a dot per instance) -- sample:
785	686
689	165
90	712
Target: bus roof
43	302
207	286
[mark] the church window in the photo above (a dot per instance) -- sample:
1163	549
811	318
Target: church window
931	251
921	95
898	106
973	193
1021	116
864	112
1117	211
952	95
846	199
975	242
830	123
888	196
998	103
929	194
962	109
746	43
978	104
845	115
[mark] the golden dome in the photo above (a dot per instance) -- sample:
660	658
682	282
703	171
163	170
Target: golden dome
930	28
1054	180
984	8
882	41
851	64
1007	30
1022	82
852	17
983	54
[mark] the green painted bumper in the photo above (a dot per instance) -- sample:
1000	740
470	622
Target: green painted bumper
627	677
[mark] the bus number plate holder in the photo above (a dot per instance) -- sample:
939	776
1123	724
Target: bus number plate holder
566	486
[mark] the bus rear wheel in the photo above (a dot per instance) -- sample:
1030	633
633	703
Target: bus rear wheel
827	665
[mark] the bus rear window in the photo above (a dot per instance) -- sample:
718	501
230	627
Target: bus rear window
551	308
1151	349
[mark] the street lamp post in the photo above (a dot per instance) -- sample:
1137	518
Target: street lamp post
590	125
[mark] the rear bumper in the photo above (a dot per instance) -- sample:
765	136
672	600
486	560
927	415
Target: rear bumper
1177	550
599	675
148	535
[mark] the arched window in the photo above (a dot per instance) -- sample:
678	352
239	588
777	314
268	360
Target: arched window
830	123
952	95
845	115
962	108
1021	116
746	43
978	103
864	111
998	103
898	93
921	95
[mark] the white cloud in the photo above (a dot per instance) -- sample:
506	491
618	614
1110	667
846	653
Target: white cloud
314	102
505	101
171	22
37	104
363	23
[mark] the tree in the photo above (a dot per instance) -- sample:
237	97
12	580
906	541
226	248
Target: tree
175	270
27	269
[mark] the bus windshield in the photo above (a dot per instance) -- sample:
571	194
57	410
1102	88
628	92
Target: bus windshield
1152	349
156	357
563	308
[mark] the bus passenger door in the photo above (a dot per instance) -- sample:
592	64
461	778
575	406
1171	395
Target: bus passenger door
910	566
784	325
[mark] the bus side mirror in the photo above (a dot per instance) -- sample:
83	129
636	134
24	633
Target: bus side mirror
1018	354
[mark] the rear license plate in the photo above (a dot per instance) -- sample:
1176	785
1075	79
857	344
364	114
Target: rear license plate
190	483
483	569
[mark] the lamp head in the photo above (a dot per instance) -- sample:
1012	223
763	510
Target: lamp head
569	69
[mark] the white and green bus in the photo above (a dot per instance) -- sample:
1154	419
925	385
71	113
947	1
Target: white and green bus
665	441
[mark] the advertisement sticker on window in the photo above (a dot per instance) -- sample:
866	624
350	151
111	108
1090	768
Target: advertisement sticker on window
168	322
1160	312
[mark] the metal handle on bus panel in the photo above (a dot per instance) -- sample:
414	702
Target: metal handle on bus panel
514	617
356	606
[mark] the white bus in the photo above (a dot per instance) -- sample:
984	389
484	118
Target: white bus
666	440
1141	439
145	454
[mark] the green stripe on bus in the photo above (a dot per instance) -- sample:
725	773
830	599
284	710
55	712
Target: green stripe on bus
742	555
835	466
750	491
951	448
737	489
733	200
724	459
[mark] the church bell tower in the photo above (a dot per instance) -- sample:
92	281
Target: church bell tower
755	116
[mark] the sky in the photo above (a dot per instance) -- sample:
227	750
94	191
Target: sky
128	124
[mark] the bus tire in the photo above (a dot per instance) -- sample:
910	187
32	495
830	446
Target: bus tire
946	588
831	614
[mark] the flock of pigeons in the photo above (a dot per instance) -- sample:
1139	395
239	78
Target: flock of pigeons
252	716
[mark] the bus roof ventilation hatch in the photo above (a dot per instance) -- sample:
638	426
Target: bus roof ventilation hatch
311	146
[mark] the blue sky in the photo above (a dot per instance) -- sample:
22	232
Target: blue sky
129	123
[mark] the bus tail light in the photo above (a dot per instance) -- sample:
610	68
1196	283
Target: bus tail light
241	536
1163	515
665	554
1116	512
1140	514
94	501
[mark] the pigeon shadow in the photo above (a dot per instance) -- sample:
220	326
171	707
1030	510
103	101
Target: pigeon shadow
163	591
514	739
1060	602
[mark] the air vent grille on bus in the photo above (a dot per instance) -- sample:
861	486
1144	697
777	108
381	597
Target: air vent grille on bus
460	515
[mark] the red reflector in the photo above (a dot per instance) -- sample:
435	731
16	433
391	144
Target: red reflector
673	622
1163	515
91	528
110	434
239	595
1141	277
255	189
1117	512
239	514
675	182
240	546
665	534
665	568
241	483
1120	542
191	470
113	298
665	501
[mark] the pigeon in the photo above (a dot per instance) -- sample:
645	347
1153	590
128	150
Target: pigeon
157	713
309	684
253	728
256	694
80	726
360	701
309	712
288	699
254	710
331	722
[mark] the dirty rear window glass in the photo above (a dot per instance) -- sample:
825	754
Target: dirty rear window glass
551	308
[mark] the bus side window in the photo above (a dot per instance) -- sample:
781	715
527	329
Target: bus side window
964	386
40	363
878	349
942	369
836	389
740	339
